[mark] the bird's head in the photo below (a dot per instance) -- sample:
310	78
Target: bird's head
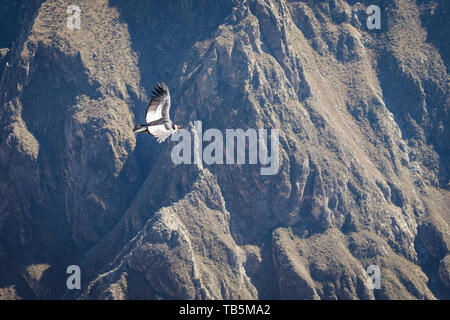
176	127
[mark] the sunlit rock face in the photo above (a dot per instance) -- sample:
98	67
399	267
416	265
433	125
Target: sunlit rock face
364	150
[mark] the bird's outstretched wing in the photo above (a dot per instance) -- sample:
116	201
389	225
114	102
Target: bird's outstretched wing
159	105
160	132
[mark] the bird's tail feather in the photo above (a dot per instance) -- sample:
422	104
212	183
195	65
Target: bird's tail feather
140	128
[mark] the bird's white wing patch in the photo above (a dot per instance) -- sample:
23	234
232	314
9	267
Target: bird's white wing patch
153	115
160	132
159	105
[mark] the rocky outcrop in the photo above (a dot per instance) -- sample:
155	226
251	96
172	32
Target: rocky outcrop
184	251
364	172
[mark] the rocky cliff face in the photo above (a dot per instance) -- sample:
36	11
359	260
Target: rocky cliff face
364	150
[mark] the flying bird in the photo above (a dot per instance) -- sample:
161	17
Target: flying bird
157	117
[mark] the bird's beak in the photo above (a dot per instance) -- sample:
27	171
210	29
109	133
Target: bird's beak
179	127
